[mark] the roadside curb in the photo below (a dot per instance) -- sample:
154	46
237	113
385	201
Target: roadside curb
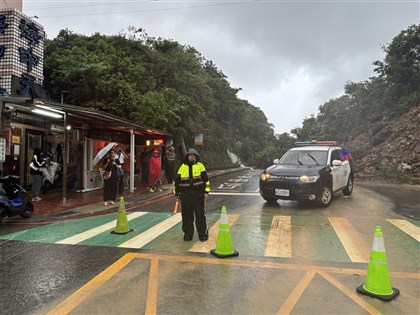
143	196
98	208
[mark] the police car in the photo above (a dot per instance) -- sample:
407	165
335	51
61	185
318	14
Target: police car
312	171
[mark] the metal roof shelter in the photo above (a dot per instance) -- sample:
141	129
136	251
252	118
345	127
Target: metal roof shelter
82	118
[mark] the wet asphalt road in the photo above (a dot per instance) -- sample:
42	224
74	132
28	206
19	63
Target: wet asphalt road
166	278
405	199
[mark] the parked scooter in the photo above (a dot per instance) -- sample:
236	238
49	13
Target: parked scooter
14	200
53	175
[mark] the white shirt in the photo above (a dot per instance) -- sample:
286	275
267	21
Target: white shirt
121	158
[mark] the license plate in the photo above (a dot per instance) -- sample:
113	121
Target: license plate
282	192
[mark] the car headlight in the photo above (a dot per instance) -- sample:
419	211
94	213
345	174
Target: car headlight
265	176
309	179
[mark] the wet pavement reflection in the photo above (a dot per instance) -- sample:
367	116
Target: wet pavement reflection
405	198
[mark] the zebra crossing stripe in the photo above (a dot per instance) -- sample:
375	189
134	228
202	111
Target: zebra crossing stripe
353	243
215	193
98	230
279	243
407	227
205	247
142	239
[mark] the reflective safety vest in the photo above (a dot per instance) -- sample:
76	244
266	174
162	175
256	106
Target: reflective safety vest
197	180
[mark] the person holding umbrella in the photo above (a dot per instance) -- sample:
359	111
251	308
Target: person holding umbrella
110	166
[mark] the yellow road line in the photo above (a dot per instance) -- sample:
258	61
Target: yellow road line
98	230
151	301
267	264
205	247
407	227
146	237
294	297
352	241
80	295
85	291
279	243
350	293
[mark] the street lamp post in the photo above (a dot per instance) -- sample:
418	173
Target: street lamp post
65	162
64	153
62	96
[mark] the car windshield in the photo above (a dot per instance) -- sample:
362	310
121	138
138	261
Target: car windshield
304	158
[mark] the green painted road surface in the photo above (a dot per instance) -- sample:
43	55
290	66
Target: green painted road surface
313	238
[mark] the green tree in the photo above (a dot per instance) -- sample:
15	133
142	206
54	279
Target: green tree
401	68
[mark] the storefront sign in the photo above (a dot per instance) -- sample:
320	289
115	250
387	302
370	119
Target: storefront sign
198	140
21	55
2	150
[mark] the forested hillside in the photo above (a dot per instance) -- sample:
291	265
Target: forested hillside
162	84
378	119
169	86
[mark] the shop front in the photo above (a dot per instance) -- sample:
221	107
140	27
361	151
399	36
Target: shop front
72	137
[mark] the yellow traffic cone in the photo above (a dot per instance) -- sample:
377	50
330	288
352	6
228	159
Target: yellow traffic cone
122	222
224	242
378	283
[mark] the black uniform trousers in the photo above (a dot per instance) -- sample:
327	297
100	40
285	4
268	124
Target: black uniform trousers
193	204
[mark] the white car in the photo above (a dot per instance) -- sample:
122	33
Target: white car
311	171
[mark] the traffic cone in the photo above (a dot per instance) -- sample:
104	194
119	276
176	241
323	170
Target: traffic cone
378	283
224	242
122	222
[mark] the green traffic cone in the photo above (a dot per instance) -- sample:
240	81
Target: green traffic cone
122	222
224	241
378	283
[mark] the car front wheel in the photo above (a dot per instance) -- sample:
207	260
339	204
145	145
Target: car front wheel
326	196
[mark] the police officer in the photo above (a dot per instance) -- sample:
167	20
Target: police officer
192	186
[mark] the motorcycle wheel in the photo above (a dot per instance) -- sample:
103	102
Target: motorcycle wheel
28	211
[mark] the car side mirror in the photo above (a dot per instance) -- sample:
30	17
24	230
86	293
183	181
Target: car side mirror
337	163
276	161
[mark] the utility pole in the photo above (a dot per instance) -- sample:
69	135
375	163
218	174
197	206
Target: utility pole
62	96
64	153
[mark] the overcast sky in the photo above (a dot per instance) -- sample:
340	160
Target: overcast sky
288	57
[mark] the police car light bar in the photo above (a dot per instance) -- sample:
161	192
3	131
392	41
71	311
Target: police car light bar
313	142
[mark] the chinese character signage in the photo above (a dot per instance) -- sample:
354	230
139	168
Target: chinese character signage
21	54
3	24
30	31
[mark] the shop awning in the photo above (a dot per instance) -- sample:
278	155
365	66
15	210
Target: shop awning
80	117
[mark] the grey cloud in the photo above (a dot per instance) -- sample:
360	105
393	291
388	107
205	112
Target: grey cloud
272	51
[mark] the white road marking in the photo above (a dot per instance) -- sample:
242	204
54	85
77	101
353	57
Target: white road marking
75	239
146	237
352	241
407	227
233	193
279	243
205	247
